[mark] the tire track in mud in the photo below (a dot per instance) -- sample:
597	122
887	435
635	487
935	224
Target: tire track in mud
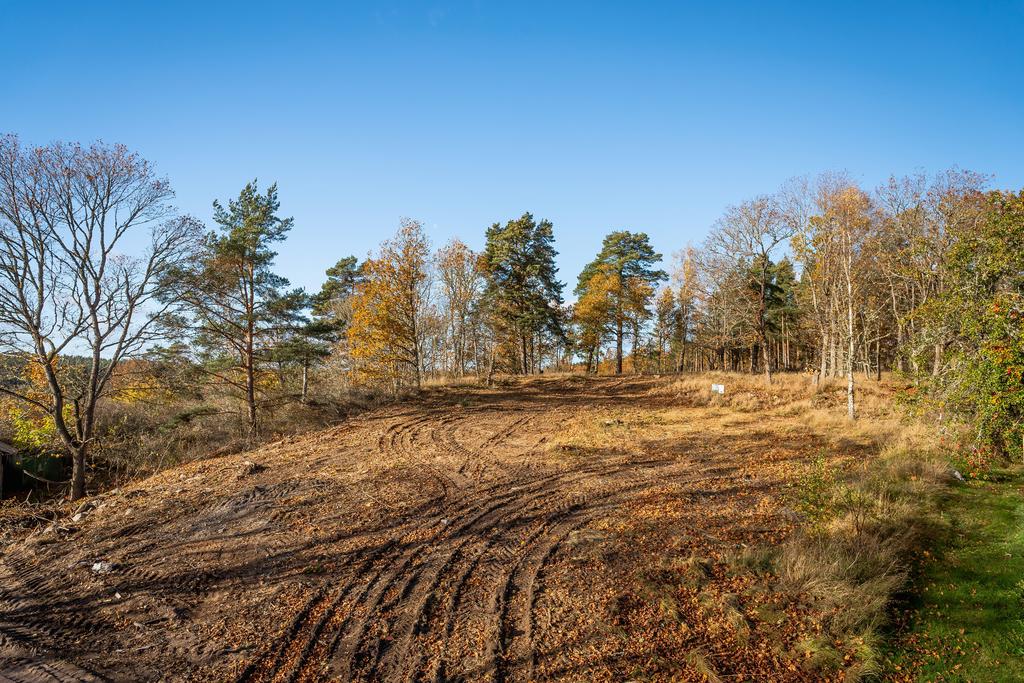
414	619
64	624
350	637
499	437
26	619
34	611
28	669
348	643
517	569
396	436
405	559
440	430
451	588
25	622
380	632
442	438
285	659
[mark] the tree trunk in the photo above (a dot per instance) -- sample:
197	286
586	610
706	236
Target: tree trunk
526	358
250	398
878	360
851	344
305	382
78	473
850	412
249	363
618	346
490	364
899	348
824	358
834	356
636	343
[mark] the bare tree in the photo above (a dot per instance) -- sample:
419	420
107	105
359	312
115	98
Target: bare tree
461	284
67	285
749	236
801	201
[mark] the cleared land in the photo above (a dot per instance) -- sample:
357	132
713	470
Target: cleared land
560	528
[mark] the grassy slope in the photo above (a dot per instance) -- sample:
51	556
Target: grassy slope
967	621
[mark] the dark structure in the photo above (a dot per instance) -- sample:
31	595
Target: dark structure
8	453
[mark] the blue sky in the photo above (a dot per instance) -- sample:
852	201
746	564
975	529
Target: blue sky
599	116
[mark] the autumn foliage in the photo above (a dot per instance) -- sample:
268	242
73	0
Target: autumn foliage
387	327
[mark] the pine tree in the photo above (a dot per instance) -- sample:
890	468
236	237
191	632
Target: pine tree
239	308
522	290
306	345
342	279
631	258
784	309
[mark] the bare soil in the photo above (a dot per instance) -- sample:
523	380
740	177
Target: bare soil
549	529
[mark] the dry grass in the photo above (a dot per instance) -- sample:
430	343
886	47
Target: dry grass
865	497
434	381
797	392
863	524
621	430
142	438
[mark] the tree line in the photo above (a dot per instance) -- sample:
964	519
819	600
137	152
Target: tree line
922	276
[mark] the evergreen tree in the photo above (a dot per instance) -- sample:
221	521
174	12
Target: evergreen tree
342	279
784	309
629	257
306	345
522	289
238	307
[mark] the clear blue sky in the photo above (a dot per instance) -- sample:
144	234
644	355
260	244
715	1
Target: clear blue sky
598	116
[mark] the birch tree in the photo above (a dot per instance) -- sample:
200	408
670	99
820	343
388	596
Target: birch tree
458	272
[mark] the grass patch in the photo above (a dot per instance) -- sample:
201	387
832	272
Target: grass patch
966	621
620	431
842	571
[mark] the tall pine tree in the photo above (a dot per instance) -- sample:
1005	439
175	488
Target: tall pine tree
238	307
522	289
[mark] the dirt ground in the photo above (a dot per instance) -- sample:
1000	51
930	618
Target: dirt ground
548	529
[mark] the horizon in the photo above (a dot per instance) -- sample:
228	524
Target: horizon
460	115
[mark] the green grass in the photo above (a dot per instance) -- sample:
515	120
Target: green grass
966	622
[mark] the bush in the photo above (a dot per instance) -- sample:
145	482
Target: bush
981	383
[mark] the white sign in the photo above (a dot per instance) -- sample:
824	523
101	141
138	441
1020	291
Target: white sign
718	388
